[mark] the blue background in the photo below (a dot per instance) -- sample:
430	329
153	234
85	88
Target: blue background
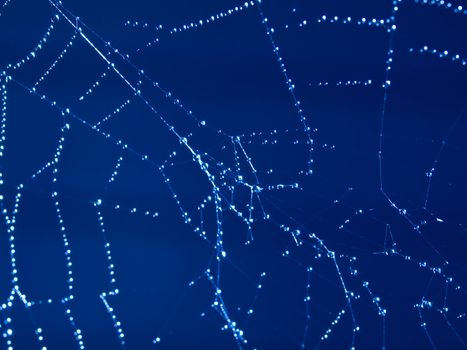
227	74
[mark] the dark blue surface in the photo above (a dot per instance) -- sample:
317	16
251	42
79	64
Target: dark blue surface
227	74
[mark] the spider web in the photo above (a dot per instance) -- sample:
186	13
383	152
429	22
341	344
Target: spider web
233	175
